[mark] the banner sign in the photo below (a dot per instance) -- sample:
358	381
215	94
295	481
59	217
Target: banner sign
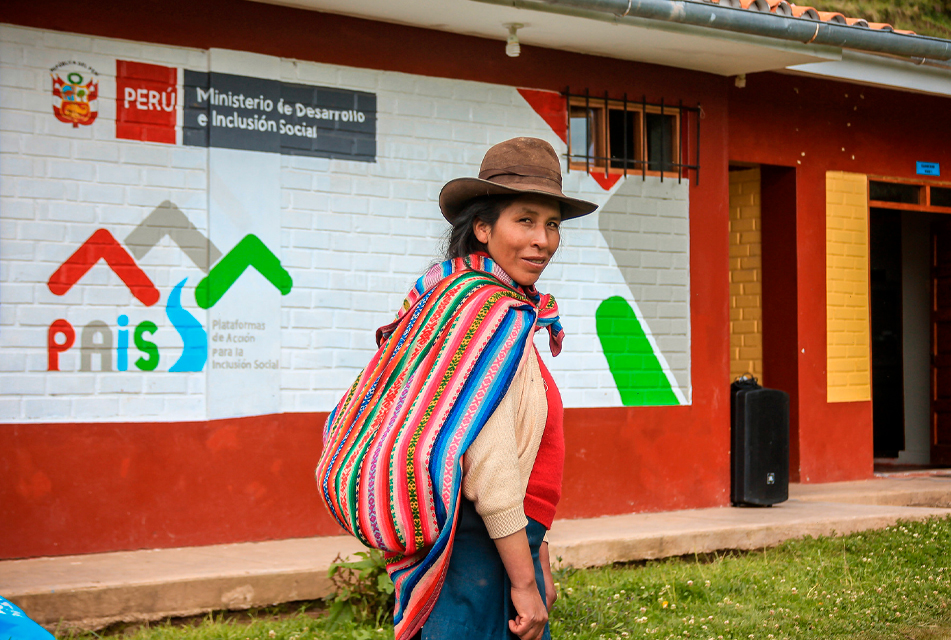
254	114
146	101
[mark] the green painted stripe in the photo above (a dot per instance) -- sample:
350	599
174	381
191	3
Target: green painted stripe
637	372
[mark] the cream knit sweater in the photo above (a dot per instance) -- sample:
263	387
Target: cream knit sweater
498	463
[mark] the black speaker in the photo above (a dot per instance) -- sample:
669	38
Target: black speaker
759	460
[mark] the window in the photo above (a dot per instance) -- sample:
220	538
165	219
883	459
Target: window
910	195
940	197
619	136
894	192
661	142
624	138
586	141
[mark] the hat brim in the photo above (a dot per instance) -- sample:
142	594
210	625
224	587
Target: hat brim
456	193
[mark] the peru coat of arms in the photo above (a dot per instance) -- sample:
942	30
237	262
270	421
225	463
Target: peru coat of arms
75	93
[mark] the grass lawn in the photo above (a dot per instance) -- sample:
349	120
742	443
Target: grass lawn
894	583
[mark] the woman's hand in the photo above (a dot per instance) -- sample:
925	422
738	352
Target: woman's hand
531	613
551	594
532	616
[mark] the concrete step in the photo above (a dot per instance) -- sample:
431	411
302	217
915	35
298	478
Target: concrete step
601	541
93	591
932	489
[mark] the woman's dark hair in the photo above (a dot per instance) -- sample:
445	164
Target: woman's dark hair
462	240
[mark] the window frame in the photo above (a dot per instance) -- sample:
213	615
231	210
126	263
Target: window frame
924	194
602	160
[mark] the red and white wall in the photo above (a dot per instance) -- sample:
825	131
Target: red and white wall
133	413
106	460
351	235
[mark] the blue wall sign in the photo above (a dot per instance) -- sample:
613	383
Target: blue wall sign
927	169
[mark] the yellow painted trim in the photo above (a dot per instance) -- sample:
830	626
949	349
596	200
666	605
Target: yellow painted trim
848	332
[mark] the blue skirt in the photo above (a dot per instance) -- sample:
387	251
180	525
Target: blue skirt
475	601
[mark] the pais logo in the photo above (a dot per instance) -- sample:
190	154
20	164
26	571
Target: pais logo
98	338
75	93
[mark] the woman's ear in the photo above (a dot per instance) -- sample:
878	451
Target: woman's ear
481	228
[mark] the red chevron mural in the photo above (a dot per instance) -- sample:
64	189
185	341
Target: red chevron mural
103	245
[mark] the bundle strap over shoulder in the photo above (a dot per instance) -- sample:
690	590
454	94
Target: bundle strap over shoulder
390	472
545	305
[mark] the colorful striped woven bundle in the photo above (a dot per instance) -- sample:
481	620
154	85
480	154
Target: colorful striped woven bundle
390	471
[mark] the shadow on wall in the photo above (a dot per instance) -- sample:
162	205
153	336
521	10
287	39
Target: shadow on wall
647	345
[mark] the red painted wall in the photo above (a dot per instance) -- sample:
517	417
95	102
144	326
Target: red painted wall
82	488
818	126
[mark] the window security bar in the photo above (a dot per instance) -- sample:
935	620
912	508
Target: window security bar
640	159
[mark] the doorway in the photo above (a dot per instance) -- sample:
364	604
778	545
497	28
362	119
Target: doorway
764	332
910	282
885	282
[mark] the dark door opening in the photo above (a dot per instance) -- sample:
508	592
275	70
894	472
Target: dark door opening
780	294
888	400
910	313
941	342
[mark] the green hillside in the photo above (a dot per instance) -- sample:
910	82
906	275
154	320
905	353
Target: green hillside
924	17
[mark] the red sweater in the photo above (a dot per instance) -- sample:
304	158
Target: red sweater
544	483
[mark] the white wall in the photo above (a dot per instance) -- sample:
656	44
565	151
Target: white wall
353	235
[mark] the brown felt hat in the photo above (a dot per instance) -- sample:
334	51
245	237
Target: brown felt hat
514	167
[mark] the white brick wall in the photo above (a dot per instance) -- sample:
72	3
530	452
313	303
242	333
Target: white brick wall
59	184
646	224
354	236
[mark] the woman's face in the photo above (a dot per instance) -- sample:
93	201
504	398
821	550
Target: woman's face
524	238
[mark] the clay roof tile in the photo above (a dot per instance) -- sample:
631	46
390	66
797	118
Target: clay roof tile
832	16
804	12
786	8
755	5
780	7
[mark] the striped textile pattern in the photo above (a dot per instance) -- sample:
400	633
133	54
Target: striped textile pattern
390	471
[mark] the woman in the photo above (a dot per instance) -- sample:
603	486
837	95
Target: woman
447	451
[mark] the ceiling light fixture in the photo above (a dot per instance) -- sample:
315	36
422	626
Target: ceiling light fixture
512	46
